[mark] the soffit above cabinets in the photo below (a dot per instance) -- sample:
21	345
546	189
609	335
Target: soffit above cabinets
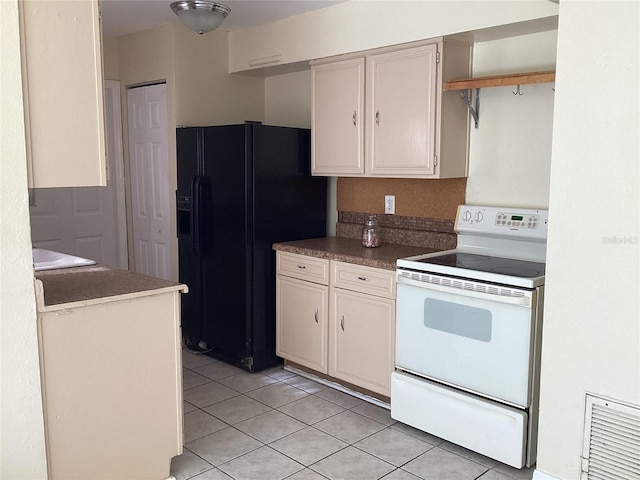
270	52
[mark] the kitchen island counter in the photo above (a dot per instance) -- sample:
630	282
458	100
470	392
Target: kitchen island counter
111	370
351	251
95	284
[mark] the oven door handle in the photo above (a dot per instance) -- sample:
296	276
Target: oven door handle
526	300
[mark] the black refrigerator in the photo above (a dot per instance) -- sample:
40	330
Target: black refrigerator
240	189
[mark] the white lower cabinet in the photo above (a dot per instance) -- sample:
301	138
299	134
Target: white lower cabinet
362	326
112	406
302	299
344	326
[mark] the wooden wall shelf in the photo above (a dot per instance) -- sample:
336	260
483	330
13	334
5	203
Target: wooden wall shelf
501	80
465	86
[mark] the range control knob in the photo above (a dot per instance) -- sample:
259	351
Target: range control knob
466	216
478	216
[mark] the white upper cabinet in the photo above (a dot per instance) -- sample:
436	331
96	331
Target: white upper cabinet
401	99
410	127
337	122
63	88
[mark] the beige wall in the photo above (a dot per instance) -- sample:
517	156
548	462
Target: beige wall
110	58
510	152
591	337
22	447
205	92
288	100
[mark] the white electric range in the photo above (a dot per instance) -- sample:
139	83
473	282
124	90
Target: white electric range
468	330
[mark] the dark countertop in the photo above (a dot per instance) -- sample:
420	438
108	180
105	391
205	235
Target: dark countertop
351	251
85	284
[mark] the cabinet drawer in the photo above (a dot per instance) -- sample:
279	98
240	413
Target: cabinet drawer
359	278
303	267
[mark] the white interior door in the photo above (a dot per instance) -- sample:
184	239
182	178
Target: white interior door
149	170
87	221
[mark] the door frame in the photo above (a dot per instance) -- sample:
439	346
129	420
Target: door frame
116	168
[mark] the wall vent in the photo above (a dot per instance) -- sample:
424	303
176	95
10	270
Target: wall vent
611	441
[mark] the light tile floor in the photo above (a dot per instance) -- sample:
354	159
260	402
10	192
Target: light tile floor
275	424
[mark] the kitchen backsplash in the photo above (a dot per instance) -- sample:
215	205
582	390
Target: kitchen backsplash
415	231
414	197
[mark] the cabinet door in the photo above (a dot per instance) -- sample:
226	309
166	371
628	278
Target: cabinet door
401	112
337	122
63	93
301	322
361	339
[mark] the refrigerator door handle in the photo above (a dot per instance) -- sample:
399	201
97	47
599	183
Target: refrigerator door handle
196	233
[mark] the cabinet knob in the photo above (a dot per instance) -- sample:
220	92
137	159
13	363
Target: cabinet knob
301	266
354	118
364	279
342	322
378	117
316	315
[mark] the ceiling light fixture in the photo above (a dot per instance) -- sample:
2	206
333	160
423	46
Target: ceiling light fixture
199	15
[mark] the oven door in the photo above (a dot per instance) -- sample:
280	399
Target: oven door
469	335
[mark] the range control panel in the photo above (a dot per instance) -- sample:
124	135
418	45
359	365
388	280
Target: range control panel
525	223
517	220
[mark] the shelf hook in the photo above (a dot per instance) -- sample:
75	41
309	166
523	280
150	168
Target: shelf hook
518	92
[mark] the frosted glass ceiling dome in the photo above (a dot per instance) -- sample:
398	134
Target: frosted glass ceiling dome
199	15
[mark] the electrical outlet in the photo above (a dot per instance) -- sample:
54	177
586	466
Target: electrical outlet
390	204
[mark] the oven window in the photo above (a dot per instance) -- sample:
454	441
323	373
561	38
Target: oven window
463	320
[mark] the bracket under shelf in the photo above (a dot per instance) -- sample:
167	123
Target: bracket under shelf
474	110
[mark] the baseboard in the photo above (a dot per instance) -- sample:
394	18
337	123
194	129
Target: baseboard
538	475
362	396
